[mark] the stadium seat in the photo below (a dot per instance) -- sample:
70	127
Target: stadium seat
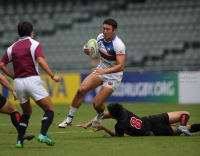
156	33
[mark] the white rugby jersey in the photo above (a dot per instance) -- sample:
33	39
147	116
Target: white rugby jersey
109	50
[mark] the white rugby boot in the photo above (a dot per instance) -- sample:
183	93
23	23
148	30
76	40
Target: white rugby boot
65	123
97	121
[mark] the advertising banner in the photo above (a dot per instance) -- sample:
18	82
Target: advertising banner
149	87
189	87
60	93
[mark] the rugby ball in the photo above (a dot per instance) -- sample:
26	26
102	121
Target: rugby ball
93	46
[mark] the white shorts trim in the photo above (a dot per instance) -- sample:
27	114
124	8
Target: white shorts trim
111	80
32	86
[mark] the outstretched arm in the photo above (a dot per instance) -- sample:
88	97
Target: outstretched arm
106	116
6	84
112	133
43	64
6	70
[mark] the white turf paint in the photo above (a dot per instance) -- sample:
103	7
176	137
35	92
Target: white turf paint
58	132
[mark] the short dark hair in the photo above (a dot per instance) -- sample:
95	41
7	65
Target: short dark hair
24	28
115	109
111	22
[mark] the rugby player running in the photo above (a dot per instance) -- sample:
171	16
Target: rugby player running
108	73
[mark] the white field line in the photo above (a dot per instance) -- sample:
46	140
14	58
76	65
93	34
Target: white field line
57	132
10	124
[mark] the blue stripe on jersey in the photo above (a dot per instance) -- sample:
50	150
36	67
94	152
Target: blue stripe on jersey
107	46
107	57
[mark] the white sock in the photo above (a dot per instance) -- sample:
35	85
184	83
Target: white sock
72	113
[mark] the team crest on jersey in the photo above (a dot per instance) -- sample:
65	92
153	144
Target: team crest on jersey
108	50
120	52
110	83
102	60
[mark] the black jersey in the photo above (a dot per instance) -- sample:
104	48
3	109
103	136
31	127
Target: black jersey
132	125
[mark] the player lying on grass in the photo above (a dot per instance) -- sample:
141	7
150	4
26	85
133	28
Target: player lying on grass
158	125
6	107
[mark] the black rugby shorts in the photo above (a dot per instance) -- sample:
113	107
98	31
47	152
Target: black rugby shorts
160	125
2	101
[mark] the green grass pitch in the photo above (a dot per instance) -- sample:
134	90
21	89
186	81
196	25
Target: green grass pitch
74	141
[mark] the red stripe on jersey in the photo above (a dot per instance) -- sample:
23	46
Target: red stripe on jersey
106	55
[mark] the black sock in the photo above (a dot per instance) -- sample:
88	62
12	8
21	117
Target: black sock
195	128
46	121
22	126
15	118
184	119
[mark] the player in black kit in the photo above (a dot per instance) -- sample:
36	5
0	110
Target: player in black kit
6	107
158	125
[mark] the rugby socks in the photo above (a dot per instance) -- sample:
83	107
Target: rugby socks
72	113
100	115
195	128
46	121
22	126
15	118
184	119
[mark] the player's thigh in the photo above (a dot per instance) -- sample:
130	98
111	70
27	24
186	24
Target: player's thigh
8	108
45	103
20	85
91	82
174	117
102	95
26	108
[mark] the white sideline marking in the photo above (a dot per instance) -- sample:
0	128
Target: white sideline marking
10	124
57	132
71	132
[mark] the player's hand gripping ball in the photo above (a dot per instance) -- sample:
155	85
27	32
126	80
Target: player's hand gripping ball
93	46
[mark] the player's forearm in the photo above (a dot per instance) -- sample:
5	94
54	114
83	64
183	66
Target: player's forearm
106	115
119	67
43	64
89	123
5	83
112	133
7	71
114	69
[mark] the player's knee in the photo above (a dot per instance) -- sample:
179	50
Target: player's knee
11	111
96	105
186	112
8	111
81	90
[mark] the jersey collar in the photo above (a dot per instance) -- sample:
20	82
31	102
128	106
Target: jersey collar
24	38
